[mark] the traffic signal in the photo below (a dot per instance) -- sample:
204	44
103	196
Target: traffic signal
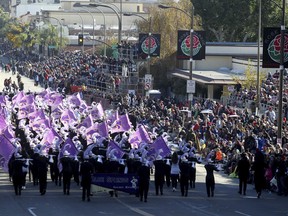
80	39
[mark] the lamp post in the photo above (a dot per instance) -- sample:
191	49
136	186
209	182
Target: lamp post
82	21
258	57
93	29
104	19
191	16
118	16
149	35
280	105
61	29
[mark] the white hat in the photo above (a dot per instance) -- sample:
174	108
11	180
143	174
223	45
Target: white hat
159	157
66	153
17	155
184	158
121	161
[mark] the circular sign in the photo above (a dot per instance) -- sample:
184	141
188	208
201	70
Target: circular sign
147	86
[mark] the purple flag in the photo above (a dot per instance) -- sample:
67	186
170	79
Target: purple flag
70	147
44	93
97	111
3	123
27	99
3	99
114	150
140	135
103	129
87	122
112	117
67	146
159	147
83	106
3	111
6	152
53	99
51	139
8	133
25	110
17	98
36	114
75	99
40	123
68	116
122	124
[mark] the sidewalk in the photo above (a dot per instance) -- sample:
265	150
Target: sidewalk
28	83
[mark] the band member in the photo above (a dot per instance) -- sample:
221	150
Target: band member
67	171
17	174
210	180
86	170
144	179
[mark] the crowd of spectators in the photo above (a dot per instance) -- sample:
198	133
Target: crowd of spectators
221	133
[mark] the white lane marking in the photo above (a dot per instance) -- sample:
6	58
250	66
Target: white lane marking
137	210
241	213
31	212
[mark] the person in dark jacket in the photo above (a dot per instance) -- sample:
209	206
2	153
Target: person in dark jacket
67	171
184	176
144	179
159	174
258	167
17	174
243	169
210	180
86	170
42	169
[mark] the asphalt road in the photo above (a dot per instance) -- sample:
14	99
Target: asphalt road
226	202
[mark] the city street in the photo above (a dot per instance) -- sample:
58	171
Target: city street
226	202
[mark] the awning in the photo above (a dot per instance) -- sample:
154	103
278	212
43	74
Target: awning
206	77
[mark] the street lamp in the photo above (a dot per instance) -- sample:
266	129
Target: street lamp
258	58
93	27
280	105
191	16
118	16
61	29
104	18
149	35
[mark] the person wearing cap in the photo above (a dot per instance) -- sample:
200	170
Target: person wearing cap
67	171
86	170
159	174
210	180
243	171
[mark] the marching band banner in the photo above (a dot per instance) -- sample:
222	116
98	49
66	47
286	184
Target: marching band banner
127	183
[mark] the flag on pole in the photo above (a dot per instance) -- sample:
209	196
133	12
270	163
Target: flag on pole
158	147
6	152
122	124
140	135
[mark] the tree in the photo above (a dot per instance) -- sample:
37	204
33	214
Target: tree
249	81
4	19
235	21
